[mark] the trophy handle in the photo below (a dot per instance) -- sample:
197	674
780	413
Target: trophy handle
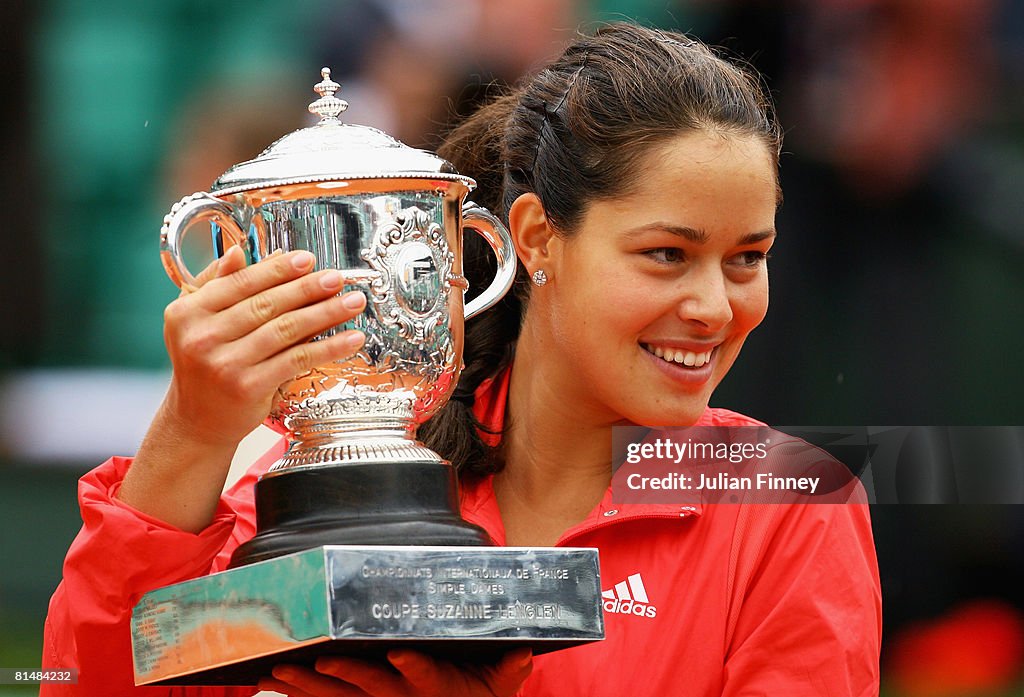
491	229
198	207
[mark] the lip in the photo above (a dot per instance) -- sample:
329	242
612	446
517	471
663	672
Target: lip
682	374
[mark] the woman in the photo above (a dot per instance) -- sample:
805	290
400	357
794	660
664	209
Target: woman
638	177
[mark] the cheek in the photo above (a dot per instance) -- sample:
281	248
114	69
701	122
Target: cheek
750	304
598	312
599	315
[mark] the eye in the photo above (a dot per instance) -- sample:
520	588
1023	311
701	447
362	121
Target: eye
666	255
751	258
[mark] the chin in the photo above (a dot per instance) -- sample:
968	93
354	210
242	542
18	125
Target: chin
673	415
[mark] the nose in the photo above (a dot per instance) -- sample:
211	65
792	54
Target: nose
704	300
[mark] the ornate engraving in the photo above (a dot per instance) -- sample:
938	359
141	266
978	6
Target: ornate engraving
365	404
415	265
383	451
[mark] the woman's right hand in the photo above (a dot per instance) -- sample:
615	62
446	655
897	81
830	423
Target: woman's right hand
244	332
233	340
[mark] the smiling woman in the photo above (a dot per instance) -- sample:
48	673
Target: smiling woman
638	177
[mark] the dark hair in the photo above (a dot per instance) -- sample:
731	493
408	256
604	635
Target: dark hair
577	132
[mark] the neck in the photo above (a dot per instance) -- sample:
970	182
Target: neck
557	457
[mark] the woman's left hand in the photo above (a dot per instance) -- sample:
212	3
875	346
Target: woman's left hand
417	675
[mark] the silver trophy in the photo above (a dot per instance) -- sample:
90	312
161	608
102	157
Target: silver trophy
357	503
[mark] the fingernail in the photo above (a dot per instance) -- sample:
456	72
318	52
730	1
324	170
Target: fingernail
331	280
355	340
303	260
353	300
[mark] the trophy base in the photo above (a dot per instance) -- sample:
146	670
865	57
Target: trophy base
462	604
392	503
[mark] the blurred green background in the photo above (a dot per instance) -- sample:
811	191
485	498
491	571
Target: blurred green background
897	280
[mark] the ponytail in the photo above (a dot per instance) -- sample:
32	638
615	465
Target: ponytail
476	148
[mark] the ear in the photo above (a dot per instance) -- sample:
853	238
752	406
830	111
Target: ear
531	233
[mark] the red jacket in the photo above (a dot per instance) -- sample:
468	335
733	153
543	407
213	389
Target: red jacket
756	599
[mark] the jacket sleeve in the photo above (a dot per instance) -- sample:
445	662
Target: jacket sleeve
119	554
805	603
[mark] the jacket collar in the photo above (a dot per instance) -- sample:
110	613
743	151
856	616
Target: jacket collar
480	506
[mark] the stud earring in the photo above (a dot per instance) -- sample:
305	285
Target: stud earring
539	277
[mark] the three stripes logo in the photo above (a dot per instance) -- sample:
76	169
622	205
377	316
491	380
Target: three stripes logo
629	598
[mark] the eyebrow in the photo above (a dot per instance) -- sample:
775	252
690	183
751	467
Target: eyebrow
752	237
697	236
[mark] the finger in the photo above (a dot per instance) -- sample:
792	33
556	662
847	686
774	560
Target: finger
300	359
514	668
296	681
210	272
262	308
232	260
223	292
275	685
425	674
297	326
369	677
431	677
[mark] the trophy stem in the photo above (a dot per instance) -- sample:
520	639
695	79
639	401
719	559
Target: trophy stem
353	440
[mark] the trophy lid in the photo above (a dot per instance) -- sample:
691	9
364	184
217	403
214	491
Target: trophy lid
334	151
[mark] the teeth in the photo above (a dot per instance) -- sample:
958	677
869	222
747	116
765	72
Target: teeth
687	358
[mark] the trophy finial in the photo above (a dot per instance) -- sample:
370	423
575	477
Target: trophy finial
328	106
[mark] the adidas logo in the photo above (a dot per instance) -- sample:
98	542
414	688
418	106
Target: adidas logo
628	598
